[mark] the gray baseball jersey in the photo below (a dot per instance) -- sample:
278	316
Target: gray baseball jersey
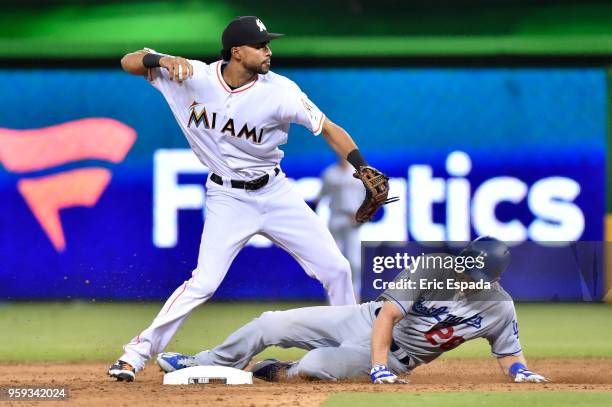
437	320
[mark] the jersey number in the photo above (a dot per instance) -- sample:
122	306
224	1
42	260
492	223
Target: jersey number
444	334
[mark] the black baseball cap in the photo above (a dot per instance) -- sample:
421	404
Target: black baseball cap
246	30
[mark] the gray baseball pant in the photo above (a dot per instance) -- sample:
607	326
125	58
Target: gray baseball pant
337	338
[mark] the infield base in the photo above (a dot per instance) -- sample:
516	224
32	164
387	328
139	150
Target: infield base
209	375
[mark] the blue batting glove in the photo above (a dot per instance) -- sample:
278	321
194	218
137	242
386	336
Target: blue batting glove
380	374
521	374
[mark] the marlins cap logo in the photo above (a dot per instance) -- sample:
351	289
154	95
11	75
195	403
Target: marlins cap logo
261	25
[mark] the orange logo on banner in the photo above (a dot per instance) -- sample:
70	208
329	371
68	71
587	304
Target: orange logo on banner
23	151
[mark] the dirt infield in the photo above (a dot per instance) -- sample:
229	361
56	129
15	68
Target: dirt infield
90	386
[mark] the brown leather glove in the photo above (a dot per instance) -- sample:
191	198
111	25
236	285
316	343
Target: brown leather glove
377	189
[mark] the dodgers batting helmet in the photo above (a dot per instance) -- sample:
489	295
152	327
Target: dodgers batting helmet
495	256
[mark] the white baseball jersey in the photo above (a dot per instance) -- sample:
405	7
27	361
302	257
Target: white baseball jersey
236	133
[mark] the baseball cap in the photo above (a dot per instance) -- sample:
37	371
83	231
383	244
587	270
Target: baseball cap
246	30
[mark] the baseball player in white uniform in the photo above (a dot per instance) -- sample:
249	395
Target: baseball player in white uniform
403	329
345	194
235	113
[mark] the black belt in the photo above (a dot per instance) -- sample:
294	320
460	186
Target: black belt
394	347
248	185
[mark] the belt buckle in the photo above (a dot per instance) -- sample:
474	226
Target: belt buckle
256	183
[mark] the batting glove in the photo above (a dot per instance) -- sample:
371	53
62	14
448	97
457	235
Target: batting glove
380	374
523	375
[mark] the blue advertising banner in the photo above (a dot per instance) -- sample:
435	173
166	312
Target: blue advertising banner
102	199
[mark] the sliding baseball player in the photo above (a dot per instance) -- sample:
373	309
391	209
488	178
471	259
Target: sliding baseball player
405	328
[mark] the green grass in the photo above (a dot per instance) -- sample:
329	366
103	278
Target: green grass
81	332
556	330
465	399
32	332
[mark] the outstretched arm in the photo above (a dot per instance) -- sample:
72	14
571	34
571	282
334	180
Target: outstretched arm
505	345
135	63
382	334
338	139
516	367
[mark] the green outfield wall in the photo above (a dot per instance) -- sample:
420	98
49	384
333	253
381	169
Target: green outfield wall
94	28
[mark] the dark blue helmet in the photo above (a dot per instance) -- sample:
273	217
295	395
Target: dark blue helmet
495	256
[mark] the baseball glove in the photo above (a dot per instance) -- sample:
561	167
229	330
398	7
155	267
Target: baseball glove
377	189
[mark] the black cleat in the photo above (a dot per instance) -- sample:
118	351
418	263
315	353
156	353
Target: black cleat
271	370
122	371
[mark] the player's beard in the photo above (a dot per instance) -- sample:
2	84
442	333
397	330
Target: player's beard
261	68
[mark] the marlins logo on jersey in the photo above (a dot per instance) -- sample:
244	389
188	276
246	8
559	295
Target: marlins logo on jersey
209	121
312	110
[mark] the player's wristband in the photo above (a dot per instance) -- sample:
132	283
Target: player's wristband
356	159
151	60
516	367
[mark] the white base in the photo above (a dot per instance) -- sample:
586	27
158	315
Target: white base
209	375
